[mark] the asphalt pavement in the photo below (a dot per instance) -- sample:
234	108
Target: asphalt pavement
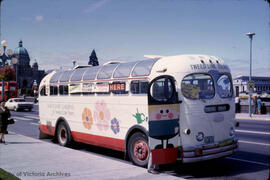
31	158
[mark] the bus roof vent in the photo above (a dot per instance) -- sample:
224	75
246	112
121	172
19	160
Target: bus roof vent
112	62
82	66
153	56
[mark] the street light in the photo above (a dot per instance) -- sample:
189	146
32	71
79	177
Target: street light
14	61
250	35
4	59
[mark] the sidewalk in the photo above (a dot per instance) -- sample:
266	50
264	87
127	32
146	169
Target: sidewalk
253	116
29	158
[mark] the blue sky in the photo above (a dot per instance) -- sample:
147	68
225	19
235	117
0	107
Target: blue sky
57	32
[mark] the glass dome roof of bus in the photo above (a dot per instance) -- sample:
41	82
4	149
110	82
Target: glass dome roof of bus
66	76
106	71
143	68
55	77
124	69
91	73
77	75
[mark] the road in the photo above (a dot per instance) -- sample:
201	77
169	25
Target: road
250	162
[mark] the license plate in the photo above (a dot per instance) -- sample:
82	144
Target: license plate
209	139
226	142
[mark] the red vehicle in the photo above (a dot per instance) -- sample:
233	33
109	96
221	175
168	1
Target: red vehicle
11	90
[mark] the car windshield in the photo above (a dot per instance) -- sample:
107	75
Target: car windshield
19	100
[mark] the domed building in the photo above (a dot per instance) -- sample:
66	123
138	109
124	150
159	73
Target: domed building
26	75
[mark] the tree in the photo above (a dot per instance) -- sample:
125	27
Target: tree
268	2
93	60
7	73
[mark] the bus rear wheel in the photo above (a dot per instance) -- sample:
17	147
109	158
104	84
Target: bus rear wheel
63	135
138	149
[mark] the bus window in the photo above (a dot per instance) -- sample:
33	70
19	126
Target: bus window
138	87
198	86
43	91
162	89
63	89
53	90
224	86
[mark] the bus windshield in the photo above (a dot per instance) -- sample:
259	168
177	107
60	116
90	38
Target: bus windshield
224	86
198	86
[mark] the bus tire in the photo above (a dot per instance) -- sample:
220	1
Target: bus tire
63	135
138	149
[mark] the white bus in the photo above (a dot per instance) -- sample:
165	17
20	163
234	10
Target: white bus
183	104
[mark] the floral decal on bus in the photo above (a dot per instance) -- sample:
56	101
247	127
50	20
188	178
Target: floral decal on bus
102	115
115	126
87	118
140	117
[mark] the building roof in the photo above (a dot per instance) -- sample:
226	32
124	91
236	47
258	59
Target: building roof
20	50
246	78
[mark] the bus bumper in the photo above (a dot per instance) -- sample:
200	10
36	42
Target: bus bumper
209	151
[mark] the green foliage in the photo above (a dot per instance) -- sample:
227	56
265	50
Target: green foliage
7	73
268	2
93	60
7	176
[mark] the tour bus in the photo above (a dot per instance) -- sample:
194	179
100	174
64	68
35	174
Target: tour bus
179	106
11	90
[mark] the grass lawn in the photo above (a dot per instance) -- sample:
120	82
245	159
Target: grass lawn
4	175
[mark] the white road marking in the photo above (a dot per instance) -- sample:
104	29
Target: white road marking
253	132
253	162
35	124
249	142
22	118
33	117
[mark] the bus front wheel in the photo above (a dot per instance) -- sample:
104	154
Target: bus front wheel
138	149
63	135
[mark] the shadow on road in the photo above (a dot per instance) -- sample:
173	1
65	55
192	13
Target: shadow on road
218	168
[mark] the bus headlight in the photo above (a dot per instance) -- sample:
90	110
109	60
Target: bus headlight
200	136
232	131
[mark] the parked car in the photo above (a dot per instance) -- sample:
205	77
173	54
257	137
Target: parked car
19	104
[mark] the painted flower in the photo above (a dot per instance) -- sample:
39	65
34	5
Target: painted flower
87	118
115	126
102	115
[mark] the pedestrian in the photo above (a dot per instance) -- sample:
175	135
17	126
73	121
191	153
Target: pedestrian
255	110
237	104
4	115
152	168
259	105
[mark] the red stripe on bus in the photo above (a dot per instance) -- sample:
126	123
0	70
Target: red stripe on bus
107	142
47	129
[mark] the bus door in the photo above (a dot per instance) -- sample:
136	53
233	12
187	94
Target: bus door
163	111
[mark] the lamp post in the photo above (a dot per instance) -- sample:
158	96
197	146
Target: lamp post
250	35
4	57
14	61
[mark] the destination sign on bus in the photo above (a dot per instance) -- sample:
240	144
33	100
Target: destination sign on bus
207	66
118	87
